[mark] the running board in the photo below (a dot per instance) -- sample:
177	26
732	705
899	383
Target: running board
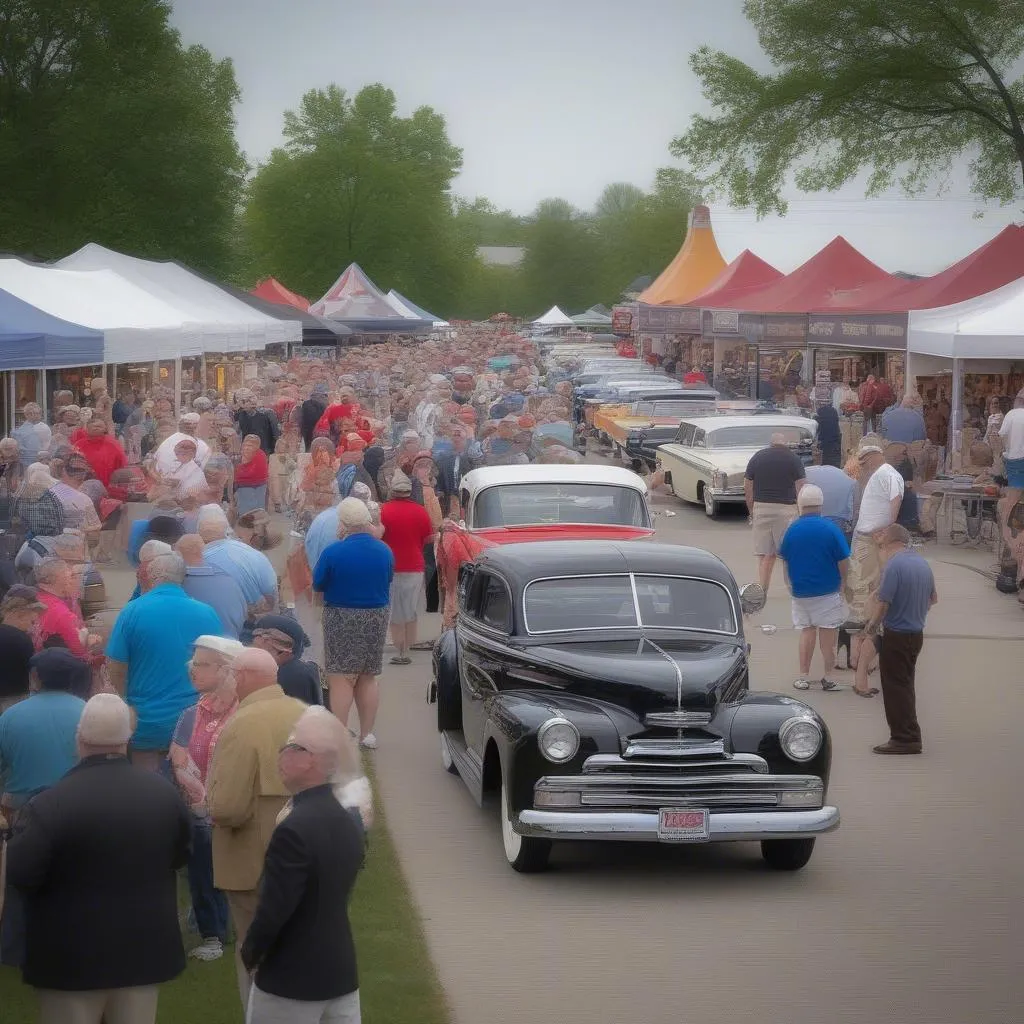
471	769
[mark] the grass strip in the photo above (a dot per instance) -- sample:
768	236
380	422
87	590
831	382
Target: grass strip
397	980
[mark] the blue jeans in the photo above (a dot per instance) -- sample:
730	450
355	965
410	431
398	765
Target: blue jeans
208	903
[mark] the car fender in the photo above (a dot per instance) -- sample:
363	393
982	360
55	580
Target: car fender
446	686
513	721
754	729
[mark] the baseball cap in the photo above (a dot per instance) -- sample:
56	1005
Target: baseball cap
21	598
220	645
868	449
810	496
59	669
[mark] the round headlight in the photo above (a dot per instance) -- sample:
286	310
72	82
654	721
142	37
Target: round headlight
800	738
558	740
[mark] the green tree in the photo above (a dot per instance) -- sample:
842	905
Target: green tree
484	224
903	87
355	181
111	131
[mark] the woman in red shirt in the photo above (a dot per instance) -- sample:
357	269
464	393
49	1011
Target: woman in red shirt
251	476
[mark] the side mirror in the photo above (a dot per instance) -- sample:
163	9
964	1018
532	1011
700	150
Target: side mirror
752	598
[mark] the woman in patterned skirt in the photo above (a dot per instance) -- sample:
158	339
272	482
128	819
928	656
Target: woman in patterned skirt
354	575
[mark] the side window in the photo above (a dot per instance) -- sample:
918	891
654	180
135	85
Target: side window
698	439
464	502
685	435
496	604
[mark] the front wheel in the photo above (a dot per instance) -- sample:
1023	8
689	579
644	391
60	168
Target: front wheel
710	505
787	854
524	853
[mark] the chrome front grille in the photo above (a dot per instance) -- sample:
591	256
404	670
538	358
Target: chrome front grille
677	719
716	785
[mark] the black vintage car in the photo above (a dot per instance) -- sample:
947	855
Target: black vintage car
602	690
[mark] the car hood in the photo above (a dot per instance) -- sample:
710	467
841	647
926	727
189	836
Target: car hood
613	671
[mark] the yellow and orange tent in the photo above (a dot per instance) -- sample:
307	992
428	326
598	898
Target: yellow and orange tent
696	265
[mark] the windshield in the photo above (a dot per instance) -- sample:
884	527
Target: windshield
677	407
536	504
757	435
606	602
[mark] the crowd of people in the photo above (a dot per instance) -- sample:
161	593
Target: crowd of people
277	536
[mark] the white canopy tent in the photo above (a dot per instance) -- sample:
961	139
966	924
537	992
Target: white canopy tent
990	326
225	323
136	325
411	312
554	317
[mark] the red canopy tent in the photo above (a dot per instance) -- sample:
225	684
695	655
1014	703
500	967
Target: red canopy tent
272	290
998	262
835	271
746	274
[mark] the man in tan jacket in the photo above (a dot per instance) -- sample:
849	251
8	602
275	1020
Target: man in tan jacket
245	793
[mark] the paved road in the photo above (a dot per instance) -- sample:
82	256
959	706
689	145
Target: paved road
910	913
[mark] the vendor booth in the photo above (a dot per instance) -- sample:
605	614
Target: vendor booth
355	301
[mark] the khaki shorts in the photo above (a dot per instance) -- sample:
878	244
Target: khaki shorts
770	523
864	575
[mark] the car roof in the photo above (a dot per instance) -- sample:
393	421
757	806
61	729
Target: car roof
523	563
708	423
491	476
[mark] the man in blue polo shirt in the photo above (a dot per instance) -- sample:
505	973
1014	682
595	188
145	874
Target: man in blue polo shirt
251	569
815	554
148	653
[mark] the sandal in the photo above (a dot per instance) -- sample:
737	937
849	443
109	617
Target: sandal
865	693
396	660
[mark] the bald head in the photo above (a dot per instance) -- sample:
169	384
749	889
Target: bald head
779	440
254	670
190	547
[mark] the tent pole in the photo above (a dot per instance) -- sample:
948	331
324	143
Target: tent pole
202	374
956	415
177	386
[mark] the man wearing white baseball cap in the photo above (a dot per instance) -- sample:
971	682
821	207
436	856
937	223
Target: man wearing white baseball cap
815	556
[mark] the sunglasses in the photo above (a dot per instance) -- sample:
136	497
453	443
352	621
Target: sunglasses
295	746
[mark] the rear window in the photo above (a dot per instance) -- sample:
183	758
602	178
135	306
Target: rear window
606	602
536	504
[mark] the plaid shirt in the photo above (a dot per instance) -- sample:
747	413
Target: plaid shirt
42	516
79	511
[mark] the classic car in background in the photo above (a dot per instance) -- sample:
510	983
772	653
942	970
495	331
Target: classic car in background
511	504
601	691
706	462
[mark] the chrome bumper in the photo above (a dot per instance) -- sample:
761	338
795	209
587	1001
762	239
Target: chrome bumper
642	826
730	497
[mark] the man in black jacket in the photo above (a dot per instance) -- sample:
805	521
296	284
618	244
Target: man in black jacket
311	411
257	420
451	468
95	858
300	942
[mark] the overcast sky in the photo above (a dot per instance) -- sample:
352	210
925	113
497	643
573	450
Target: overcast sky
552	98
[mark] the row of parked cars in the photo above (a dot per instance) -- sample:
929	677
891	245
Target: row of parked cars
596	684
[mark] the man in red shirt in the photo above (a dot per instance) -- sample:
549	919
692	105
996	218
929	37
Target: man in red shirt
101	451
57	585
407	528
346	408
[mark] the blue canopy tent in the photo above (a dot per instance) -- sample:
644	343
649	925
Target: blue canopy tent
33	340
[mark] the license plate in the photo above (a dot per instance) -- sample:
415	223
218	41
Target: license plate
683	826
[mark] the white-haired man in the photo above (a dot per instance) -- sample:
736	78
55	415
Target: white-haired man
105	828
33	435
195	737
251	569
299	946
167	461
148	651
815	558
244	793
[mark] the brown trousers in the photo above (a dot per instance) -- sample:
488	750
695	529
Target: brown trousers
897	660
242	905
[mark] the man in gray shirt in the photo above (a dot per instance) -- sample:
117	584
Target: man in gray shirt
905	595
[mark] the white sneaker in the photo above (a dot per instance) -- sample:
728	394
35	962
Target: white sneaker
369	741
208	949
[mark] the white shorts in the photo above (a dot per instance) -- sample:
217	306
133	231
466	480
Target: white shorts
827	612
